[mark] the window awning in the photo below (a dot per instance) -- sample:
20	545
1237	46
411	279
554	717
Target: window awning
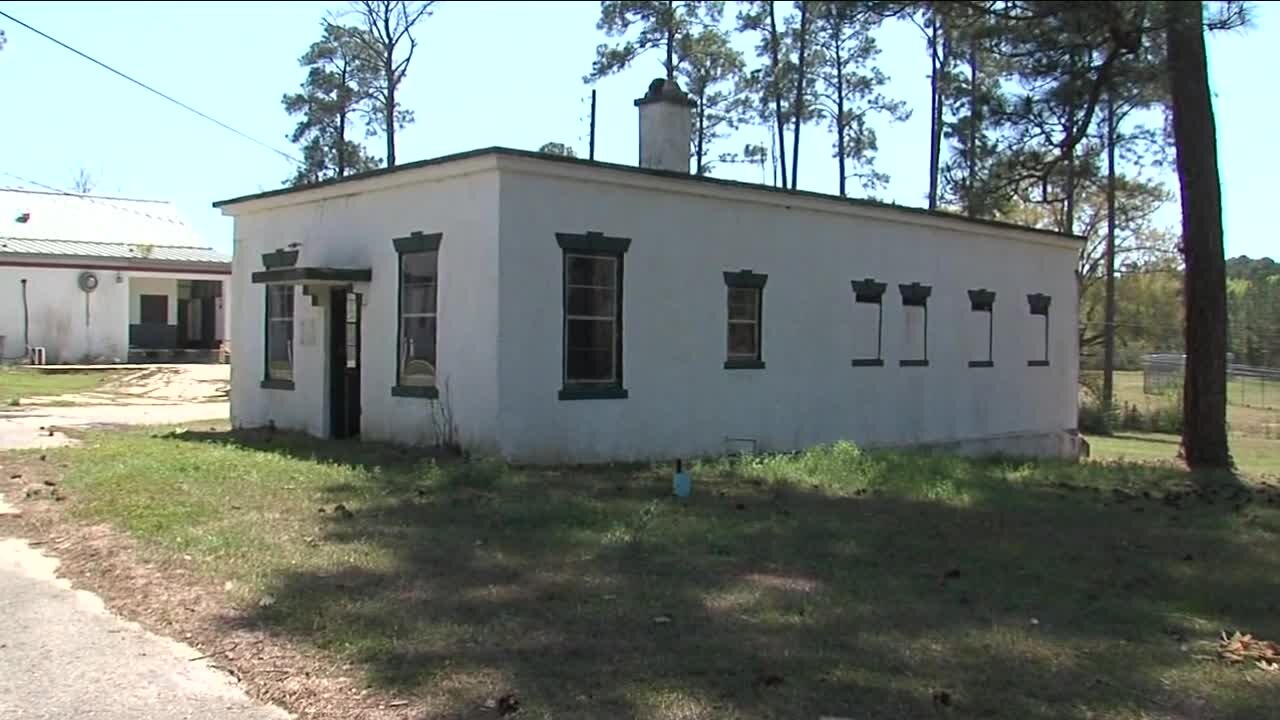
312	276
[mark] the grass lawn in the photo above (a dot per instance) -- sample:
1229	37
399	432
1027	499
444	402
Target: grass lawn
1255	455
836	582
18	382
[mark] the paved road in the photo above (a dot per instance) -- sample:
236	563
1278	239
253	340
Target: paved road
27	426
63	656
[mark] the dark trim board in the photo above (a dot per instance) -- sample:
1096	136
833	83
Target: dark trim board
867	362
295	275
1037	363
634	170
588	392
593	242
414	391
739	364
981	363
418	242
276	384
72	264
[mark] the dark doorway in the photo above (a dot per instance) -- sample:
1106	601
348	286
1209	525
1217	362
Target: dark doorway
197	320
344	363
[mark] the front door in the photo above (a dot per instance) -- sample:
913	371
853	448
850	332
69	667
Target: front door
344	365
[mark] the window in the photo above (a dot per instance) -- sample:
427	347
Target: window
915	309
416	373
279	373
1039	305
592	301
868	321
153	309
745	316
982	327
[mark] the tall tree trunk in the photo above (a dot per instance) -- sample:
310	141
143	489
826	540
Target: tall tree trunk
389	67
840	121
671	40
775	83
798	107
971	208
391	112
342	143
937	63
1109	309
702	134
1204	407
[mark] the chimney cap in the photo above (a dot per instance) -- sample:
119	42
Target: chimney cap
660	90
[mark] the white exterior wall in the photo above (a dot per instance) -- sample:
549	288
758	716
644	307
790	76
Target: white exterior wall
356	230
70	325
57	310
682	402
139	286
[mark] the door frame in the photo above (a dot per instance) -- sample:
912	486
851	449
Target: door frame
344	372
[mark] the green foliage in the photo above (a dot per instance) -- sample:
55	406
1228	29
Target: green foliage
847	89
555	148
387	40
1253	302
334	95
709	67
658	25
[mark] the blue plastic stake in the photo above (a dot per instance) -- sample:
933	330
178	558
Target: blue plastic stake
681	484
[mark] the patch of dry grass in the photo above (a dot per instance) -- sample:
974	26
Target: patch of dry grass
834	582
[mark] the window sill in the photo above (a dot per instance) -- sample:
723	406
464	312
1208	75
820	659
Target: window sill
588	392
913	363
1037	363
867	362
417	391
276	385
981	363
743	364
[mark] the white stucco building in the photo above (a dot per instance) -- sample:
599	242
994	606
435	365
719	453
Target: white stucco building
87	278
550	310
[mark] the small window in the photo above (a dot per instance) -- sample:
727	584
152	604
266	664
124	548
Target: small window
1039	305
868	323
915	310
416	374
592	275
981	327
280	336
745	313
153	309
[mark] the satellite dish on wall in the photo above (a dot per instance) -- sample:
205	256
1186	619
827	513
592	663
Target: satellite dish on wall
87	281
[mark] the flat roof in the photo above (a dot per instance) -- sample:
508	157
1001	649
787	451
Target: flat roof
678	177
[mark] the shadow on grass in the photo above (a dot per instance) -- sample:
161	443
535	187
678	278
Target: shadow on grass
352	452
977	589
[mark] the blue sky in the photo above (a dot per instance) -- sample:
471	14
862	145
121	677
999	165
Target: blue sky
486	73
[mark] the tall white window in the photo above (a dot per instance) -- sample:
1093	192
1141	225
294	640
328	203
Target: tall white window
593	336
416	368
981	327
279	361
915	331
745	314
1039	306
868	323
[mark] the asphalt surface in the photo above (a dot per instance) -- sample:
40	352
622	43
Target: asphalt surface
37	426
62	655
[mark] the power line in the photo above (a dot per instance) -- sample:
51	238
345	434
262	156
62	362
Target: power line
148	88
94	200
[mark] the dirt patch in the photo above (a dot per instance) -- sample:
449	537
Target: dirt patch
171	599
155	385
